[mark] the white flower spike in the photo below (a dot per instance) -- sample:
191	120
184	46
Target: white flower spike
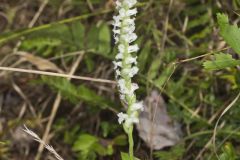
125	62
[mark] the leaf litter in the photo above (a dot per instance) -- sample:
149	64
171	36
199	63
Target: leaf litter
156	128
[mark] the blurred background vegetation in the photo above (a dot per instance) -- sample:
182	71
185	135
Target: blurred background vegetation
78	117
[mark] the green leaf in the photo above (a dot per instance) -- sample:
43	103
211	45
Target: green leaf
92	38
143	56
99	39
71	135
230	33
175	153
104	39
125	156
154	68
78	32
84	142
98	148
120	140
221	61
201	20
85	146
76	93
162	79
50	41
88	145
228	152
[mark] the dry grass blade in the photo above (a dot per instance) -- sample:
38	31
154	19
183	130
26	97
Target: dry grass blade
215	128
40	63
38	139
57	75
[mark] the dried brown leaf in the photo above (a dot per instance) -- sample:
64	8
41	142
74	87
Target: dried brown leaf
40	63
155	126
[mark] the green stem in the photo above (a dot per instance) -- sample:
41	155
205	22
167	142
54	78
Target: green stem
131	142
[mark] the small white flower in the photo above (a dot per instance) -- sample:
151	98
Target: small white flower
133	48
130	60
137	106
133	71
116	39
134	87
122	117
119	4
129	37
121	85
119	56
117	22
116	31
122	97
127	13
117	64
131	12
130	120
128	91
118	73
129	21
121	48
129	29
130	72
122	13
130	3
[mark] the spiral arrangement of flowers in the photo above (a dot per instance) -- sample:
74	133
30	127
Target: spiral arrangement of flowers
125	64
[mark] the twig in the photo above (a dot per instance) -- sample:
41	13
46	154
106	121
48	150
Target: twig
20	92
57	75
216	125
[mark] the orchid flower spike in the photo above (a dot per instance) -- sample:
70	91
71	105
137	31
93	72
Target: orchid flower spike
125	62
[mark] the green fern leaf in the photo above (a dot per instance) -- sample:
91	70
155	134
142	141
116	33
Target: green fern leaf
76	93
221	61
230	33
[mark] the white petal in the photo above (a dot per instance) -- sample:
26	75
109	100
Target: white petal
122	117
116	39
119	56
134	70
116	31
121	48
129	38
137	106
130	120
117	64
118	73
131	12
133	48
131	72
122	13
122	97
129	21
117	21
119	4
130	3
129	29
116	18
131	60
134	87
121	85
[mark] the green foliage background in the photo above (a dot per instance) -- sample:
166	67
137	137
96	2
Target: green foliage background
189	51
